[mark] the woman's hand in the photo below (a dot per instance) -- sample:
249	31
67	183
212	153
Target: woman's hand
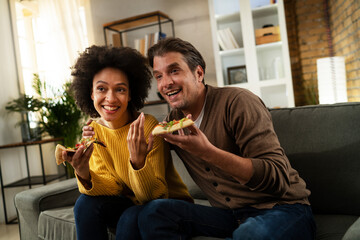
80	161
138	148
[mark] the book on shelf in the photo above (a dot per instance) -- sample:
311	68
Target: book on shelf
116	40
119	40
230	35
226	39
143	44
124	39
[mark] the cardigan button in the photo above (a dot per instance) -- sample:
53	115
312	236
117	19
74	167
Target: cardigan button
207	169
227	199
215	184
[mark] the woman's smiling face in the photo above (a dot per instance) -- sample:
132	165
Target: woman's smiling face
111	95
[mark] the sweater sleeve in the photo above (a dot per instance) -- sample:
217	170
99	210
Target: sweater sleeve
102	179
257	140
149	182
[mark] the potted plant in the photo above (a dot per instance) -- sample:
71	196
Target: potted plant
28	107
60	116
57	116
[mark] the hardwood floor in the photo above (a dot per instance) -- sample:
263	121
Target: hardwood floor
9	232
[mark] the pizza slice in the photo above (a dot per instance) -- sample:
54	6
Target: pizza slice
71	151
169	127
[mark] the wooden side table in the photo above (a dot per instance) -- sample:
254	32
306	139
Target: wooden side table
29	180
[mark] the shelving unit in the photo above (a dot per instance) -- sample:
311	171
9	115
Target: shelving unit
156	22
268	68
29	180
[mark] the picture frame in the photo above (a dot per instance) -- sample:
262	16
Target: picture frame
237	74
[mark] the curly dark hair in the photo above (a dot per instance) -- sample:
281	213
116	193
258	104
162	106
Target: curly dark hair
191	55
96	58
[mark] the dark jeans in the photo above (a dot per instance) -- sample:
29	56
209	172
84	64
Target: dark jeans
94	214
175	219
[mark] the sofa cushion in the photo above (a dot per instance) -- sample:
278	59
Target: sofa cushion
58	223
325	153
353	232
332	227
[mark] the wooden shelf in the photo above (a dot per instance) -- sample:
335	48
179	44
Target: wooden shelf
136	21
122	33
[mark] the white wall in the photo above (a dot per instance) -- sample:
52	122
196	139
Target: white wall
10	159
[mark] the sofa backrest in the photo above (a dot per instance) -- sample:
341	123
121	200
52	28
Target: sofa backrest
322	143
193	188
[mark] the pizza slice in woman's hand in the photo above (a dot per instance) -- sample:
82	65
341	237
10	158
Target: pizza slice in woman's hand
71	151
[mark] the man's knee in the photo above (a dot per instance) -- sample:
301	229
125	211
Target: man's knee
251	230
156	210
154	207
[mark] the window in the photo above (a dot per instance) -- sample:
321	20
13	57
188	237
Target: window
49	36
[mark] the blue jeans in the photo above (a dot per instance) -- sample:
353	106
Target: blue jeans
176	219
94	214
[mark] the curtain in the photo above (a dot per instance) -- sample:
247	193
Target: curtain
63	36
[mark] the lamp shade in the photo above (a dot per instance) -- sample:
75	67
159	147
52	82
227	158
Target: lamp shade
331	80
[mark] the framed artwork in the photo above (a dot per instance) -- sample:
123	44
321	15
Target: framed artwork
237	74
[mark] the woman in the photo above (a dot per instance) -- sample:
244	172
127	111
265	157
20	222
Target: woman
111	84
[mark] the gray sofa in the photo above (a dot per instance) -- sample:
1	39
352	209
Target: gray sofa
322	143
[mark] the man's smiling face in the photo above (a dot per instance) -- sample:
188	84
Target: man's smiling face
175	81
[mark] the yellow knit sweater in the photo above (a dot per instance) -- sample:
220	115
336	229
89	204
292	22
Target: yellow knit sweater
112	173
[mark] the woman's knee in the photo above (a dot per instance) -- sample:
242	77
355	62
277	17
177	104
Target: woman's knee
85	205
130	216
127	226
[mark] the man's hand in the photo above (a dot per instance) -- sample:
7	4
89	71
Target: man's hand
87	131
138	148
195	143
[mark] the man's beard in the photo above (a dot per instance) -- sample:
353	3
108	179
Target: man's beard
182	106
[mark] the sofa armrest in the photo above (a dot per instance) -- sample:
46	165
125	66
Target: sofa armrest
353	232
30	203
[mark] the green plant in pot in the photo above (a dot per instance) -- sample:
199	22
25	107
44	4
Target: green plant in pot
57	116
60	116
28	107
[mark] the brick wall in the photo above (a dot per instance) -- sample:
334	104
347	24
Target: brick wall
345	25
308	41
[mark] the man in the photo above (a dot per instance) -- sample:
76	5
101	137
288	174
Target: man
232	153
